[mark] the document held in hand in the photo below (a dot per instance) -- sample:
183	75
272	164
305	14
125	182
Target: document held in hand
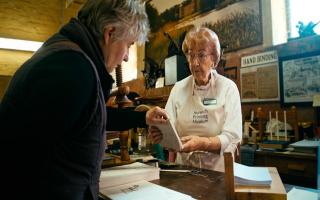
171	139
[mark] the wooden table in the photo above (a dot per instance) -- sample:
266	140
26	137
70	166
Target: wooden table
210	185
204	185
294	168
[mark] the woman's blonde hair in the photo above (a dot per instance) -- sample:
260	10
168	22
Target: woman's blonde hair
203	36
128	16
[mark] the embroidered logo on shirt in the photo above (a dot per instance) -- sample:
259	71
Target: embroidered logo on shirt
200	116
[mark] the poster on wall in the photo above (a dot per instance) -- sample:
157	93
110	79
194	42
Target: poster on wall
299	78
236	22
259	77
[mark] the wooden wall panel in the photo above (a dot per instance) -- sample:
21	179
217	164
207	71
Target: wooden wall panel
4	82
30	19
33	20
234	59
11	60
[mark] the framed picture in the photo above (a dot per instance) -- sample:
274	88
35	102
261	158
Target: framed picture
231	73
299	78
260	83
238	24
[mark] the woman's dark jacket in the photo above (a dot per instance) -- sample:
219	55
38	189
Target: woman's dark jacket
53	119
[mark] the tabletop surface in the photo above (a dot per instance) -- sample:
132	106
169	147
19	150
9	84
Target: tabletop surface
201	184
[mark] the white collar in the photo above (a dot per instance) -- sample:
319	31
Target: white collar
211	83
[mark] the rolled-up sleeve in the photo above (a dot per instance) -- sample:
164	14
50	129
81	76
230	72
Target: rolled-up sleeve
232	128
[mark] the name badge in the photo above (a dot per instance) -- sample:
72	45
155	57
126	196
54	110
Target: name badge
209	101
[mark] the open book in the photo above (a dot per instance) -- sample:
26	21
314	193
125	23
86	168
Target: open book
171	139
124	174
251	176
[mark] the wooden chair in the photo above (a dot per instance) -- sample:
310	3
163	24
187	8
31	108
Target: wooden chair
291	115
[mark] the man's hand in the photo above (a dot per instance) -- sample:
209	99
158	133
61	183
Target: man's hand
155	134
156	115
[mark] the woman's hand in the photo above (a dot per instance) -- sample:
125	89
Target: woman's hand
196	143
155	134
192	143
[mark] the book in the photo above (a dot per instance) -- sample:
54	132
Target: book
142	158
124	174
273	144
251	176
143	190
308	150
171	139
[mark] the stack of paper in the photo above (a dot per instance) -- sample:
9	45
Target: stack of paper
306	146
251	176
128	173
143	190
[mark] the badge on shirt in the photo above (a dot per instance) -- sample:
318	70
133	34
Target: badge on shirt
209	101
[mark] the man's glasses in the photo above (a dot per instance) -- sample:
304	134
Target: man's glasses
201	57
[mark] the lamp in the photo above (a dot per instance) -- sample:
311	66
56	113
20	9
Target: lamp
22	45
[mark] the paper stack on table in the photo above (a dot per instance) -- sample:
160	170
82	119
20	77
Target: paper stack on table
130	182
251	176
123	174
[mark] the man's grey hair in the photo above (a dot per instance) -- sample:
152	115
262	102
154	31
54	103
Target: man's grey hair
129	18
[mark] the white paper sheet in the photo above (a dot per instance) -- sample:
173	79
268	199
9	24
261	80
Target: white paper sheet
143	190
306	143
170	138
299	194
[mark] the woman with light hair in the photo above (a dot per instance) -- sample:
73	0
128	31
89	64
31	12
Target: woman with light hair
53	116
205	107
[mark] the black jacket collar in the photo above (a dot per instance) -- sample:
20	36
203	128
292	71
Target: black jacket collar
78	33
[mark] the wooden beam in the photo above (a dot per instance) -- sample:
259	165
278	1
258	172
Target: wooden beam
68	3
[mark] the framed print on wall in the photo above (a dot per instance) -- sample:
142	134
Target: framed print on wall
238	23
259	77
231	73
299	78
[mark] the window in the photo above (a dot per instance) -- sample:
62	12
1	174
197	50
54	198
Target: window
305	11
129	69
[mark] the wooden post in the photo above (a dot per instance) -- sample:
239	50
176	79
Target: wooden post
228	175
122	101
124	135
260	123
295	123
